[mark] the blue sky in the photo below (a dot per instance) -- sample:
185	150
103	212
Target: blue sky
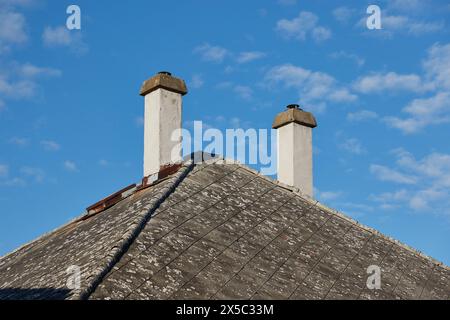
71	116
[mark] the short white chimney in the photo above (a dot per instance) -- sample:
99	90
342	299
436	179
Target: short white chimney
162	121
295	153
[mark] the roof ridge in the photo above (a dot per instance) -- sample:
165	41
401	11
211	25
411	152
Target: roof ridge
322	206
122	246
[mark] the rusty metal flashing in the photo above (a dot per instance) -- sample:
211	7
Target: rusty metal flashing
108	202
111	200
163	173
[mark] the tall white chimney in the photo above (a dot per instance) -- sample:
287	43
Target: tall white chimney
163	105
295	153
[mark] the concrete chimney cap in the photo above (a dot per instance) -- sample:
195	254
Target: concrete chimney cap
294	115
164	80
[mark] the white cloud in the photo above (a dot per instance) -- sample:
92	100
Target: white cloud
305	24
421	200
18	89
362	115
224	85
437	66
62	37
244	92
219	122
320	34
235	122
50	145
390	81
29	71
211	53
14	182
103	163
287	2
262	12
407	5
16	81
70	166
4	49
249	56
4	170
419	28
411	26
12	28
422	113
36	173
12	3
292	76
21	142
356	206
343	14
436	76
399	195
228	70
327	195
341	95
352	145
401	24
58	36
431	192
394	22
197	81
386	174
351	56
424	107
20	81
315	88
139	121
435	166
299	26
220	118
350	208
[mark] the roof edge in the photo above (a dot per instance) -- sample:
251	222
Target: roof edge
342	215
42	236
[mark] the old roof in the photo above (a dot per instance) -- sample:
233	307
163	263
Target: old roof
219	231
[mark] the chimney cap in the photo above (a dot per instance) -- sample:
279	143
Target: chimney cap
294	114
164	80
294	106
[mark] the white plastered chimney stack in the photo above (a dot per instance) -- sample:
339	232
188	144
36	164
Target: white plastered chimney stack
294	148
162	121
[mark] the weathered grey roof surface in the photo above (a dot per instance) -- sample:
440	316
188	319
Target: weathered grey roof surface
219	231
